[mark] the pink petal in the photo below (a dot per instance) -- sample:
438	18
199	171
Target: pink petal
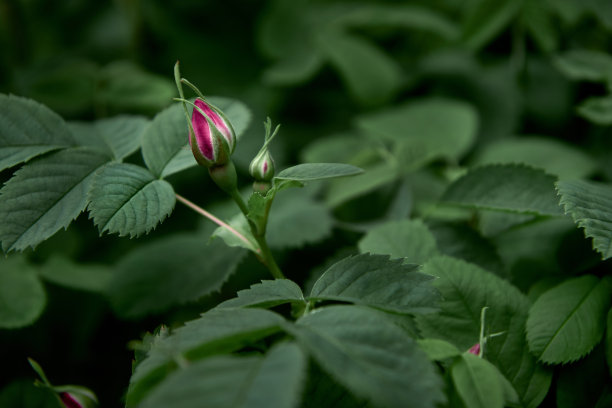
475	349
203	134
216	119
69	401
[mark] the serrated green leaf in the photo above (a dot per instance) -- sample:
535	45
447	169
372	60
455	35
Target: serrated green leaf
120	134
567	321
437	349
425	130
408	239
215	332
583	64
374	177
477	382
318	171
465	290
297	219
128	200
377	281
267	294
165	146
273	380
554	157
28	129
487	19
460	241
64	272
511	188
597	109
371	76
590	206
174	270
370	356
46	195
22	296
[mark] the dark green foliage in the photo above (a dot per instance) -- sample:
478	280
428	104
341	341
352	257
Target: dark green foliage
443	183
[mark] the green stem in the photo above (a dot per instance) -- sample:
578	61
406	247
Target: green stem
266	255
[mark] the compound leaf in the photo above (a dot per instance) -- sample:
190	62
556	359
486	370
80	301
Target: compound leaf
127	199
46	195
370	356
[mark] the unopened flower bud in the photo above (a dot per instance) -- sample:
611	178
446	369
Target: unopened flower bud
262	166
475	349
71	401
211	136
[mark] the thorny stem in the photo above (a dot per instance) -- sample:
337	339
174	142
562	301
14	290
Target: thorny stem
266	255
214	219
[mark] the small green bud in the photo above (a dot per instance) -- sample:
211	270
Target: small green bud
262	166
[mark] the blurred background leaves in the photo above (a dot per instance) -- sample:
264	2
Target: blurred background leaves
412	91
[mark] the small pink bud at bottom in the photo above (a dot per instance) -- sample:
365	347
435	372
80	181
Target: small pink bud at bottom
475	349
70	401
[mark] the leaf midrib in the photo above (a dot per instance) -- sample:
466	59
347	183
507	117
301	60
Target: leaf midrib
570	316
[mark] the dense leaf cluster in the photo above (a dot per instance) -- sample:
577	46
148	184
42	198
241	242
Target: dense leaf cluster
467	265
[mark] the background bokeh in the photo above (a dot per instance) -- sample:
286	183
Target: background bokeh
320	68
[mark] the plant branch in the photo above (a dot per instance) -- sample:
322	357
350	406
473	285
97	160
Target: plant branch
266	254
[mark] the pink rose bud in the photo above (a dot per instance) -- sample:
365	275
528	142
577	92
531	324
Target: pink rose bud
213	139
475	349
